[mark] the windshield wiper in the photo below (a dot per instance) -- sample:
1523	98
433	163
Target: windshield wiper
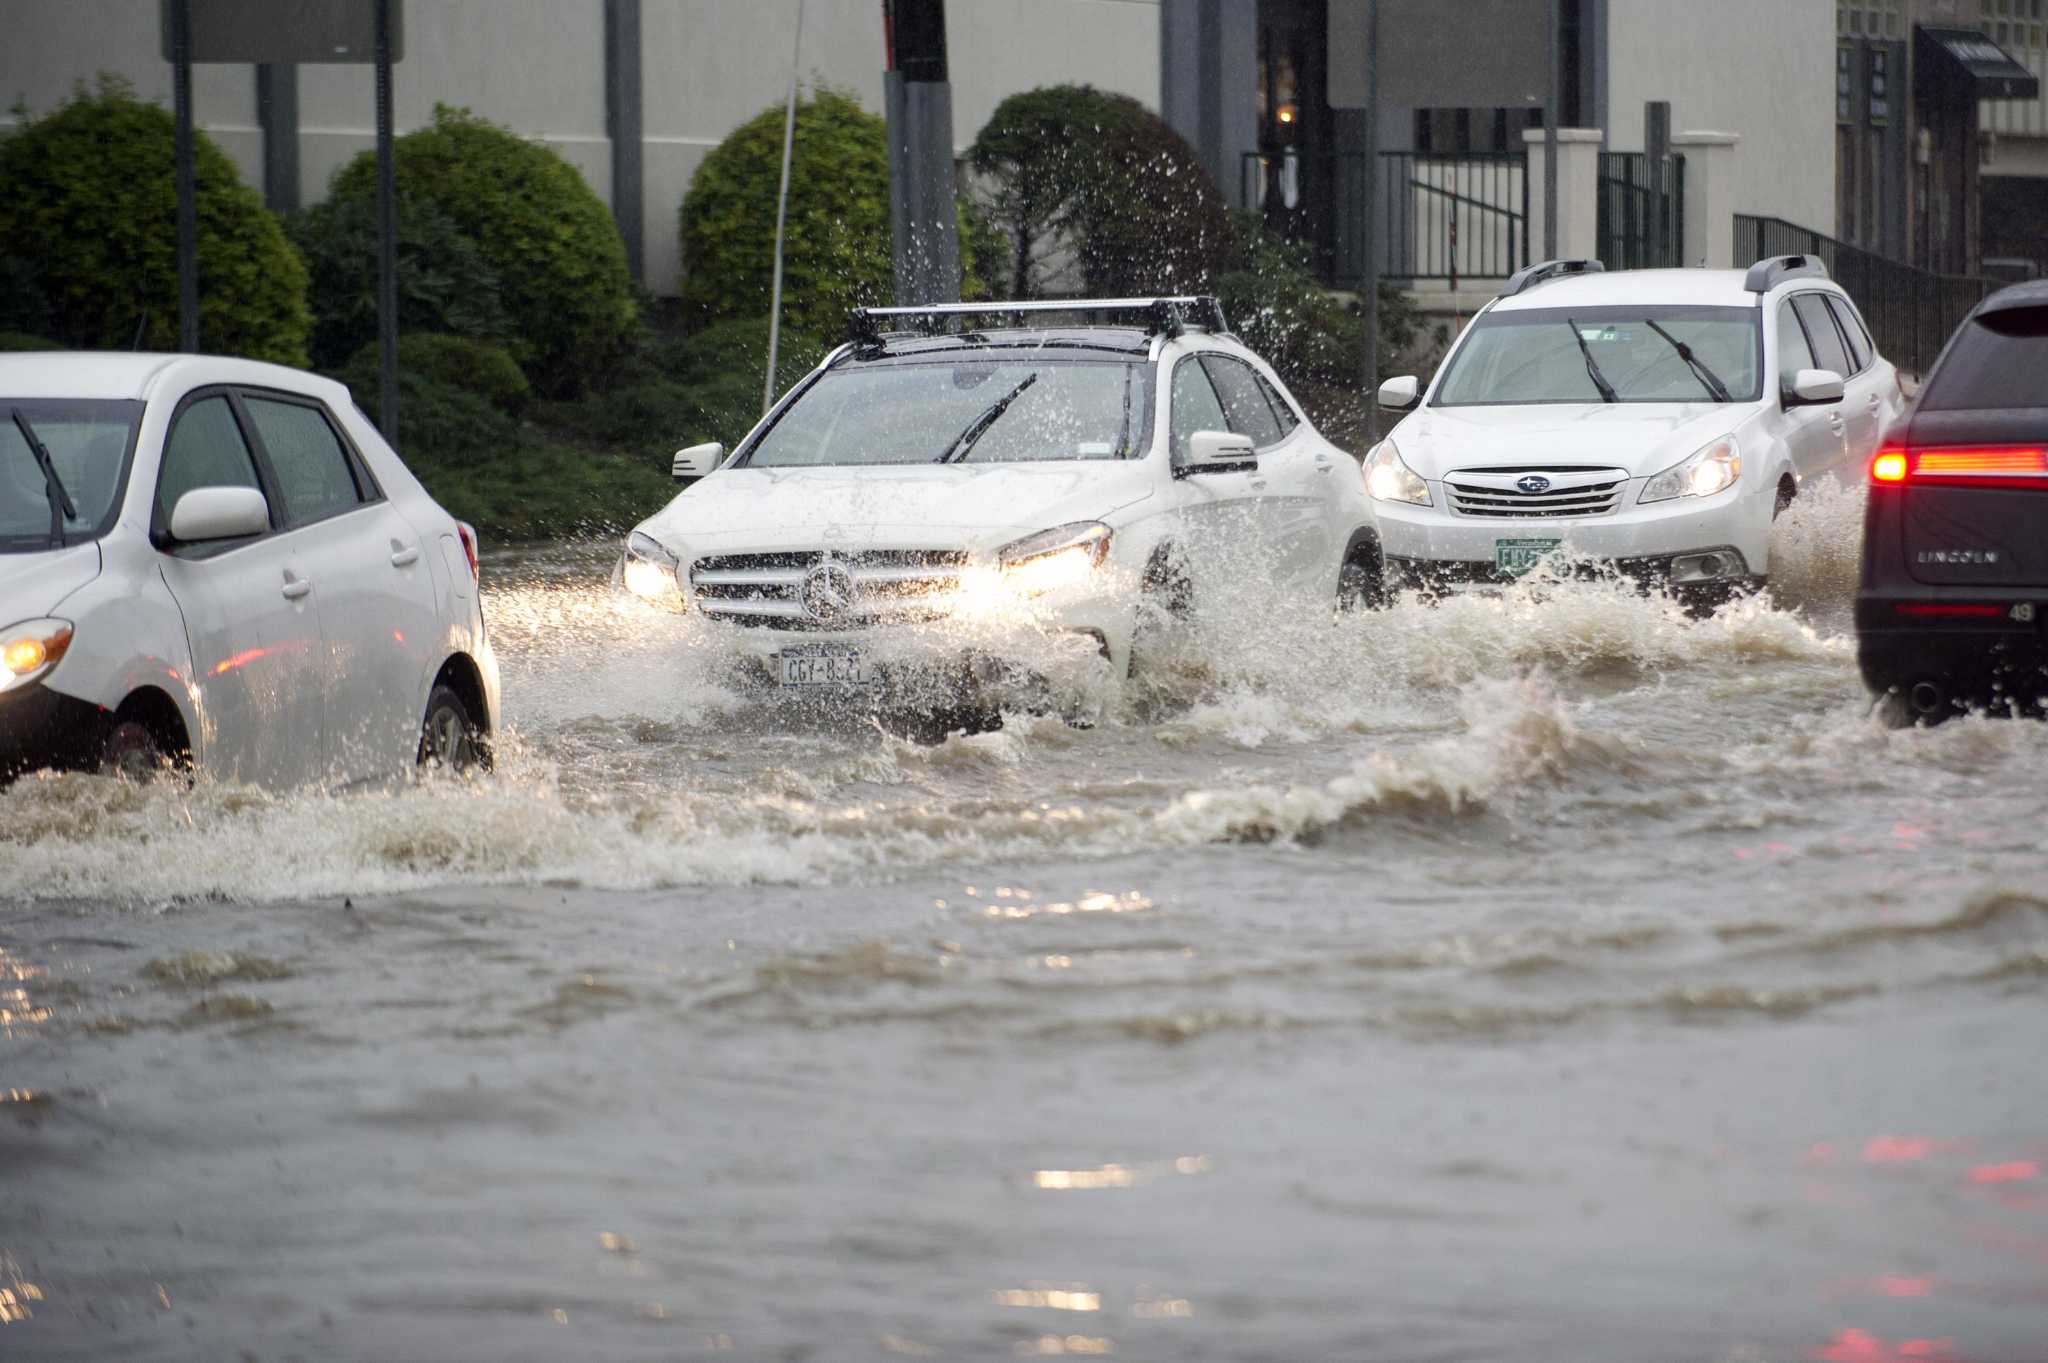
1592	370
61	508
1709	380
957	451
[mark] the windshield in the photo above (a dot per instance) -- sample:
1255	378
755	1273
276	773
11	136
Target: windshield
89	444
981	411
1639	354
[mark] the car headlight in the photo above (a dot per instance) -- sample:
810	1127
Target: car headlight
1388	479
649	570
1064	556
1711	469
30	649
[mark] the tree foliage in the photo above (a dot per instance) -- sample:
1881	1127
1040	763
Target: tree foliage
478	367
1093	193
550	241
88	236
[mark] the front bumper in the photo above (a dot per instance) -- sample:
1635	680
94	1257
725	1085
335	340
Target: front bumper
44	728
1922	648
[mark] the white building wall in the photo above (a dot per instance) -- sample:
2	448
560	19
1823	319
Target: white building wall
537	66
1761	68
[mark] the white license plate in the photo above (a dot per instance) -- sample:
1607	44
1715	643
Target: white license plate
825	665
1515	557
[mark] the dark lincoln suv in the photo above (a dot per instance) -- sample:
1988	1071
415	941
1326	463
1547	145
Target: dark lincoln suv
1950	613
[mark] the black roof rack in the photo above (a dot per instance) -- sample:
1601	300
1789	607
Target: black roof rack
1772	271
1164	316
1543	271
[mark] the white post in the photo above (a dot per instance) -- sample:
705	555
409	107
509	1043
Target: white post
1578	185
781	215
1709	197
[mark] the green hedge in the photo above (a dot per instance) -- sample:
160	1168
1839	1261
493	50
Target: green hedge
559	262
1069	171
88	228
477	367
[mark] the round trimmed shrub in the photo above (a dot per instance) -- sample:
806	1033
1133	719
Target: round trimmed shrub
560	265
478	367
89	212
1069	172
445	285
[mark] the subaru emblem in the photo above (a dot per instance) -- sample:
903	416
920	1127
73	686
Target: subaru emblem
1535	482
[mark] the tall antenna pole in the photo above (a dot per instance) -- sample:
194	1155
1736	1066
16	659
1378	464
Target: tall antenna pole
781	216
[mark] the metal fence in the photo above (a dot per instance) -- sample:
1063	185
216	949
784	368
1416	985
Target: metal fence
1436	217
1910	311
1640	218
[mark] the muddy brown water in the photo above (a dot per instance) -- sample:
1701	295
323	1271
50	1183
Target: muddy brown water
1548	976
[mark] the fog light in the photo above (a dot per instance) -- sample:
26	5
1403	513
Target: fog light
1710	566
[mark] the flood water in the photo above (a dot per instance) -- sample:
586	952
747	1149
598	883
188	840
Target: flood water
1544	976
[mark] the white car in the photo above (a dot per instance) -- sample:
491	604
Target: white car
929	506
1659	419
220	563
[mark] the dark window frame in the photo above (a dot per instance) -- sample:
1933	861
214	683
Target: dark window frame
1173	377
159	521
368	493
1258	386
1834	329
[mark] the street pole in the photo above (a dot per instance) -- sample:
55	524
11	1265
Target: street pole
1550	131
387	238
188	219
1369	207
782	216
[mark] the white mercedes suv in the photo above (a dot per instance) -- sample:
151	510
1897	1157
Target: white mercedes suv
1658	419
944	503
219	563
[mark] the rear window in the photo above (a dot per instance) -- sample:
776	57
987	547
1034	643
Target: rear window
1998	359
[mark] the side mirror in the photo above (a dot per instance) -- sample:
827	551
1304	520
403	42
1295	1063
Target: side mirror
696	462
1400	394
1219	452
1814	388
219	513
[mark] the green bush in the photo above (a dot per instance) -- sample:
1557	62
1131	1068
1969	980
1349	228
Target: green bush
559	262
21	340
476	367
836	252
89	213
1072	172
444	283
738	350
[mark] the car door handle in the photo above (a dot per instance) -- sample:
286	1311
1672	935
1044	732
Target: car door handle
296	587
405	557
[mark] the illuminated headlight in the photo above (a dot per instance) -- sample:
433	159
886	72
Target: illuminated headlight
649	570
1065	556
1702	474
1388	479
30	649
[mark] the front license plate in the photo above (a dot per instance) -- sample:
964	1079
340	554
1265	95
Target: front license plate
1515	557
825	665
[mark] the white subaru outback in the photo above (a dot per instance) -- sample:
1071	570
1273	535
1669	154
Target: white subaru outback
1659	419
934	506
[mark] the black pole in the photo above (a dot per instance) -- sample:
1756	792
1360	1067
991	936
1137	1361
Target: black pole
1550	115
387	238
188	218
1369	211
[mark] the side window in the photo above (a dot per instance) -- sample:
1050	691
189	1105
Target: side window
1793	352
206	449
1244	403
1195	407
1281	410
312	468
1828	350
1852	331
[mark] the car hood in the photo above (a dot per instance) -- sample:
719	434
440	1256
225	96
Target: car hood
915	505
35	584
1643	438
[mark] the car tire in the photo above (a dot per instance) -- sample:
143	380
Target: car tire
449	737
1360	585
131	752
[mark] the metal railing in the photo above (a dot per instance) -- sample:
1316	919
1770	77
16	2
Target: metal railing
1443	217
1639	221
1910	311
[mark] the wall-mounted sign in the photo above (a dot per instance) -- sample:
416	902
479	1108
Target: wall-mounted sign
1442	54
285	32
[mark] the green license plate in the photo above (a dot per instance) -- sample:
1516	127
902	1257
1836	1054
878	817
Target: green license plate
1515	557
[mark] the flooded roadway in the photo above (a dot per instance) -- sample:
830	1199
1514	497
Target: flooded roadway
1515	979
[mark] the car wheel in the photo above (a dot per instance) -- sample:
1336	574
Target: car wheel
448	736
1360	586
132	753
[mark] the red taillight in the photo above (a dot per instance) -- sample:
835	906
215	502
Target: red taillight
1956	608
1965	466
468	535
